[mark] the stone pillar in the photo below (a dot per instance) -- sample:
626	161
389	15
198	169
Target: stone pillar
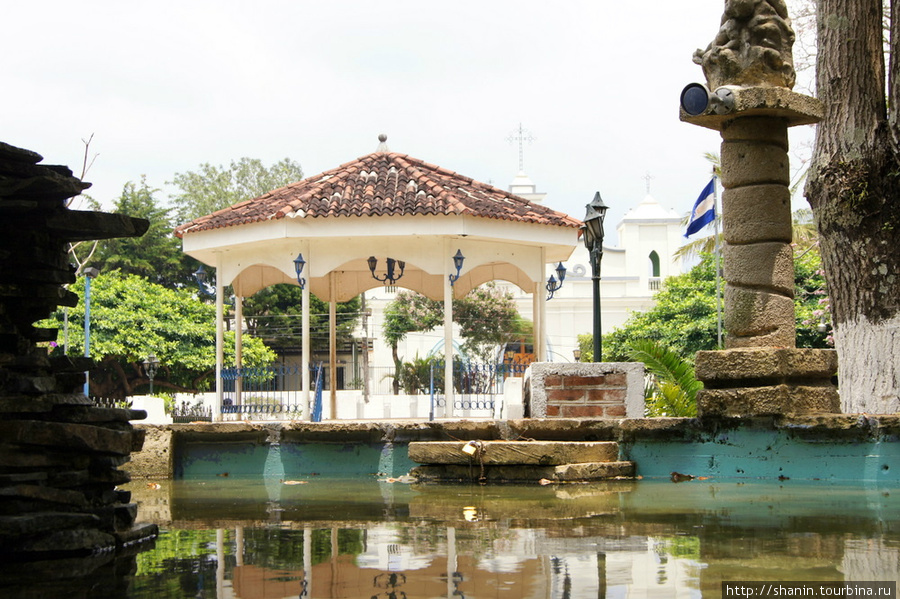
758	263
749	72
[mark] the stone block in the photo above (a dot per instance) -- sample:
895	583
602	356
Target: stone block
755	318
757	129
718	368
760	265
770	400
74	540
29	524
39	493
471	473
74	437
593	471
545	453
754	163
757	213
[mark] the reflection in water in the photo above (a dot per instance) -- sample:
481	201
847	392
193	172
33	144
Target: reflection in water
334	539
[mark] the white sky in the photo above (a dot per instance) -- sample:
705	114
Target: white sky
167	85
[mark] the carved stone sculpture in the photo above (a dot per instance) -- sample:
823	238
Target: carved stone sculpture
752	48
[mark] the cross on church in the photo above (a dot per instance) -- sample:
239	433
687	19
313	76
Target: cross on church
521	136
646	179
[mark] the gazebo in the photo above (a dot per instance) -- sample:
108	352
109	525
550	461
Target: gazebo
447	232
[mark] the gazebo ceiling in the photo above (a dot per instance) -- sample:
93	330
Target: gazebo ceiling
383	204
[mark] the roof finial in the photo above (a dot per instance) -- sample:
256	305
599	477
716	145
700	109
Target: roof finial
382	146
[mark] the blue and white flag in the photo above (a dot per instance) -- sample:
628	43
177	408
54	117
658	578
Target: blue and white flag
704	211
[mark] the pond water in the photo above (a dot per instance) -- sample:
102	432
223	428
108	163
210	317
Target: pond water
324	538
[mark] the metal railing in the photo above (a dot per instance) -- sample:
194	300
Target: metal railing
187	412
111	402
275	392
475	386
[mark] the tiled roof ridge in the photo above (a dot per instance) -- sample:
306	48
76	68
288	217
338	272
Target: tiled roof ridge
393	184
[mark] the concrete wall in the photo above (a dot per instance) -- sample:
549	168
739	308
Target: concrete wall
832	447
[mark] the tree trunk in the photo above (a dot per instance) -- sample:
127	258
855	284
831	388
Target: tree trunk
854	191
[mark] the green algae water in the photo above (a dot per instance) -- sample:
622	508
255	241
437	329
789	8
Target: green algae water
326	538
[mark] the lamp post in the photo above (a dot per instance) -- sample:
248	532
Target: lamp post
89	273
553	285
200	277
593	241
151	364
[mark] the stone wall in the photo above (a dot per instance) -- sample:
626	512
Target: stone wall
59	454
589	390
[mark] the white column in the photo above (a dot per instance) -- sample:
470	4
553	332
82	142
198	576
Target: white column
452	565
307	562
449	396
239	545
332	344
220	338
220	563
304	352
238	345
540	352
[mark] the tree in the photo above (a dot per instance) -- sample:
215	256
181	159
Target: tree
487	318
684	316
217	187
131	318
854	192
274	314
157	254
81	252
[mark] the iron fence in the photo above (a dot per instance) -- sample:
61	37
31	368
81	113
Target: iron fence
276	391
475	386
111	402
191	412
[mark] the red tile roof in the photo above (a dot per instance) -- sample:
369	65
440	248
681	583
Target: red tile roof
383	184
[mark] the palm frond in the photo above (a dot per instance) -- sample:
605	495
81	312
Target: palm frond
674	385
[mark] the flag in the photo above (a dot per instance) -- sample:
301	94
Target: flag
704	211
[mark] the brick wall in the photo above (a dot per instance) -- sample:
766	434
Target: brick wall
600	396
604	390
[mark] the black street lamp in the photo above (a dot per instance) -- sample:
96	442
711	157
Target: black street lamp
151	364
593	241
200	277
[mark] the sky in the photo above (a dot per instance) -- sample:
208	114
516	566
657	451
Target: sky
162	87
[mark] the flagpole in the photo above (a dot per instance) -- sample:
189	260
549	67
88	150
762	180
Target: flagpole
718	270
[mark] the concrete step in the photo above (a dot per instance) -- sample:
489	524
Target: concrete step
594	471
585	471
511	453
